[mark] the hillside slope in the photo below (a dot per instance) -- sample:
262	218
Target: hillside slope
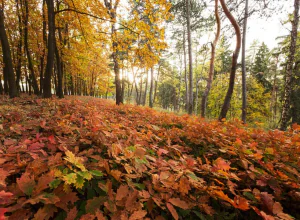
89	159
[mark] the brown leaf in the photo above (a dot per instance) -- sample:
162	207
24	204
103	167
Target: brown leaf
3	175
72	214
266	217
116	174
5	197
221	164
207	209
184	185
150	205
173	211
45	212
122	192
19	214
267	200
131	203
277	208
99	215
94	204
26	183
241	203
43	182
138	215
179	203
87	217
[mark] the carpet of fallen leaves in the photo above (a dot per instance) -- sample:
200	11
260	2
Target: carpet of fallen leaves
85	158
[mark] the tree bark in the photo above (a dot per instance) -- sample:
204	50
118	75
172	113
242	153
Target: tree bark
51	47
30	65
111	10
235	56
185	75
60	93
9	70
19	49
1	87
212	62
151	88
146	89
289	70
191	100
295	97
244	71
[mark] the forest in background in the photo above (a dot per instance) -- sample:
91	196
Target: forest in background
120	50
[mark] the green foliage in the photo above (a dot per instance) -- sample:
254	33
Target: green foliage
261	66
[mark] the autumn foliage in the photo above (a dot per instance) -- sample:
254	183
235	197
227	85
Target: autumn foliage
89	159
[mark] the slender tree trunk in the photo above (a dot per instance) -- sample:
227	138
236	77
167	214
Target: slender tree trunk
28	88
5	79
19	49
141	91
151	88
155	84
273	99
44	49
235	56
1	87
146	89
9	70
185	75
191	99
30	65
116	69
244	71
295	96
289	71
51	48
60	93
212	63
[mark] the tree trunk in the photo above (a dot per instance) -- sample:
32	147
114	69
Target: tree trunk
146	88
185	75
116	69
155	84
9	70
1	87
19	49
212	63
235	56
295	96
51	48
60	93
244	84
191	100
30	65
289	70
151	88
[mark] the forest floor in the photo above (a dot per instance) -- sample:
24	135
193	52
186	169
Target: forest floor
86	158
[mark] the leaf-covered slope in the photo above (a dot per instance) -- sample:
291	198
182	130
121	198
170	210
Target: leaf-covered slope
89	159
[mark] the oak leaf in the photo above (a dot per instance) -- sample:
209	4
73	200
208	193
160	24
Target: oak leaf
173	211
72	214
26	183
179	203
116	174
93	204
3	175
138	215
5	197
122	192
45	213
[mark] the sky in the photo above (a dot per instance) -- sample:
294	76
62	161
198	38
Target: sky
267	30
